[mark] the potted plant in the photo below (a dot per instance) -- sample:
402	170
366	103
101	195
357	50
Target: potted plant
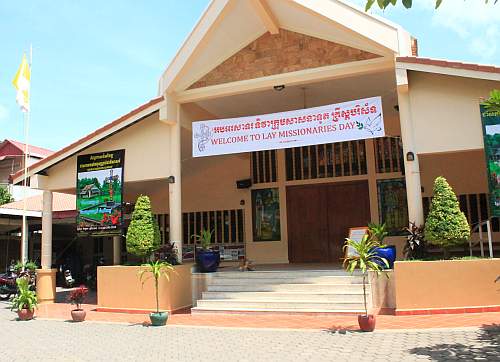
25	301
364	258
446	225
157	269
377	233
207	259
77	296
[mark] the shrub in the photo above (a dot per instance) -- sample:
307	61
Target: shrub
143	235
25	298
77	296
446	225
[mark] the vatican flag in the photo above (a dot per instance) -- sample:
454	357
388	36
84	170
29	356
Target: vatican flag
22	84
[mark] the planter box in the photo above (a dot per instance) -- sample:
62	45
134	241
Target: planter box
447	286
119	289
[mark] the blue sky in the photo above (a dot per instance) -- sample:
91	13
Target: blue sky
96	60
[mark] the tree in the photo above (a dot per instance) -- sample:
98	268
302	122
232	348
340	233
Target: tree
492	104
383	4
5	196
446	225
143	235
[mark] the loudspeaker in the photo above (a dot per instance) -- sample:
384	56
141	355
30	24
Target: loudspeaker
243	184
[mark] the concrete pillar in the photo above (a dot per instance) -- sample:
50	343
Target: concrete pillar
117	249
47	230
371	171
412	168
46	277
174	188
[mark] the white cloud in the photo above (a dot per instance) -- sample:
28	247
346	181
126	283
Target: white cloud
4	112
477	24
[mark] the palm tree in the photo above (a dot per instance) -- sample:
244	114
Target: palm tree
364	257
157	269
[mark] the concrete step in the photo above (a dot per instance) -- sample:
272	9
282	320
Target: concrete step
228	304
297	287
286	296
200	310
327	279
266	274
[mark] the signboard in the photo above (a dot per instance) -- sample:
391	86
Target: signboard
99	193
491	132
355	234
266	215
348	121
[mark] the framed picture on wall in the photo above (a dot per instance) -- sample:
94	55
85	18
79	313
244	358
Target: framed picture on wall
266	215
392	205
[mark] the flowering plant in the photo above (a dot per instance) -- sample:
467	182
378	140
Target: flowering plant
77	296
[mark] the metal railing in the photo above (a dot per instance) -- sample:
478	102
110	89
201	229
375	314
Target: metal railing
478	227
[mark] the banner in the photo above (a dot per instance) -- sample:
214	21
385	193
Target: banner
99	193
491	132
346	121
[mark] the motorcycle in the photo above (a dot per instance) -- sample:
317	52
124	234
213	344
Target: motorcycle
8	286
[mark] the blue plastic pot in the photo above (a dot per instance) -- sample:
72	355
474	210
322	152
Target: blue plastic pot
388	253
207	260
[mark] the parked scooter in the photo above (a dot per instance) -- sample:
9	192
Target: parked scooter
8	286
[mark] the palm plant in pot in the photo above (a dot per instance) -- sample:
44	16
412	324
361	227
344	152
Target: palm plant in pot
207	259
377	233
25	301
77	296
365	259
157	269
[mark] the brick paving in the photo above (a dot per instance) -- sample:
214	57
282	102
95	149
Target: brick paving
61	311
52	340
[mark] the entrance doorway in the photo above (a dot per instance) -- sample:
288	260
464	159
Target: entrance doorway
319	218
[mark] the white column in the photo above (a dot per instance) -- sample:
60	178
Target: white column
24	240
117	249
47	230
412	168
174	188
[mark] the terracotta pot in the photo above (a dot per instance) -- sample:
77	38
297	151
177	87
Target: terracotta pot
25	314
78	315
367	322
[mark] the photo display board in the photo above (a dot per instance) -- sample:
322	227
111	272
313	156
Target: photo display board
355	234
99	193
491	133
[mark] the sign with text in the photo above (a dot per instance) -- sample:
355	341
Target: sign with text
348	121
99	192
491	132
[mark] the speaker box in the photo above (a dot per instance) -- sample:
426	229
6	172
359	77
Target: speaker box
244	184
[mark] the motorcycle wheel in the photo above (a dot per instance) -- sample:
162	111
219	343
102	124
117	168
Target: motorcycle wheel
4	296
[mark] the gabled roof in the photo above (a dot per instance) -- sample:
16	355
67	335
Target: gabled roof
90	139
449	67
60	203
227	26
19	148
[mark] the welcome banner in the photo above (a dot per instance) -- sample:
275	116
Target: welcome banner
348	121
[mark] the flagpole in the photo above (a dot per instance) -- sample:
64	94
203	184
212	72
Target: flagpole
25	231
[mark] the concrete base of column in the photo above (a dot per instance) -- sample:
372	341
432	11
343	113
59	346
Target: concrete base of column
46	285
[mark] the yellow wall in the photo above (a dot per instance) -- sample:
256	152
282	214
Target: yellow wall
446	284
146	156
454	166
119	287
445	111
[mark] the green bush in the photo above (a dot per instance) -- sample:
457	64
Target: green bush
143	235
446	225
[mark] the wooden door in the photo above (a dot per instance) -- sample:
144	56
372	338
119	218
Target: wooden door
307	224
348	206
319	217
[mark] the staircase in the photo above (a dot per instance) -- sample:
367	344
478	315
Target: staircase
320	291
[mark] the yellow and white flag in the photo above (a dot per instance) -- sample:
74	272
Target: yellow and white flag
22	84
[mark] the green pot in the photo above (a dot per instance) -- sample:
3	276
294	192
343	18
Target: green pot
158	319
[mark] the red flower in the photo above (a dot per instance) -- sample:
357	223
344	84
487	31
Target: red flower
77	296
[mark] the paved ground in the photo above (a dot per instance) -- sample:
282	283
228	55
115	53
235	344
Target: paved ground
50	340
